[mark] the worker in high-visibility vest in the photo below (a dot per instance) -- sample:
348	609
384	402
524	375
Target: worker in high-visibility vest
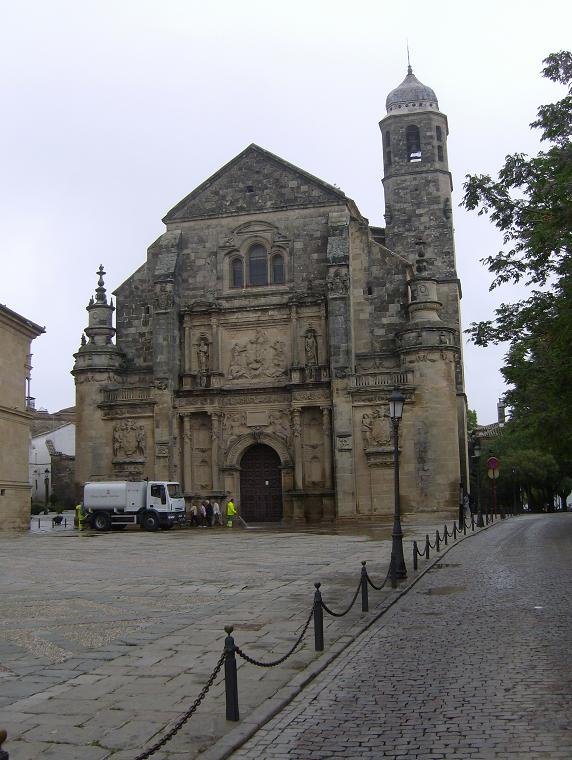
79	516
230	512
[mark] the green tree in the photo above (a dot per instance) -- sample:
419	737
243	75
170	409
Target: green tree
531	204
471	419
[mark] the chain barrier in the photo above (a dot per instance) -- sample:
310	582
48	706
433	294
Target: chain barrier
280	660
185	717
372	584
348	608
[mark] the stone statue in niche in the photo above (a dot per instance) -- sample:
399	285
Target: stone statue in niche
203	358
129	440
310	348
375	430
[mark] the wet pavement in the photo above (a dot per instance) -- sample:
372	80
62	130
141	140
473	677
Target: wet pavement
473	662
107	638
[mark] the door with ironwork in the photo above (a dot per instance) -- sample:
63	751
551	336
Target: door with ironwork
260	485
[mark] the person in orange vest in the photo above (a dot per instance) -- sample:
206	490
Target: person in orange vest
230	512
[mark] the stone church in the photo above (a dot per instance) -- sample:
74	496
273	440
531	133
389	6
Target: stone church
256	347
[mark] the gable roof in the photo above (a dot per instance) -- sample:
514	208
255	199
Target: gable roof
254	181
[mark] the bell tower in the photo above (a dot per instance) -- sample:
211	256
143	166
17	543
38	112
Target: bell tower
97	361
419	226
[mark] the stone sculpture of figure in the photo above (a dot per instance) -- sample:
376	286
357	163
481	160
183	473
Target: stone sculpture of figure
278	359
237	366
366	428
140	441
310	348
203	355
117	440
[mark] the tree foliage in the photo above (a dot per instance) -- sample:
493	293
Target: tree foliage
531	204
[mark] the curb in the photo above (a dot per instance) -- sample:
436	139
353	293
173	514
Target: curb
236	737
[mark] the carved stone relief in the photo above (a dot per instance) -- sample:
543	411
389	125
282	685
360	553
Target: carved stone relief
375	429
164	299
129	440
280	424
259	357
338	282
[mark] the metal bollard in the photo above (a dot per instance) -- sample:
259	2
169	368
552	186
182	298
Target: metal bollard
364	589
427	546
464	527
454	531
318	620
445	535
3	754
437	540
473	523
415	552
230	676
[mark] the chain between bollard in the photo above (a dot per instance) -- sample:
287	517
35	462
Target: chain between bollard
348	608
382	585
185	717
280	660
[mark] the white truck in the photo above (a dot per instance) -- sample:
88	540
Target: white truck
152	504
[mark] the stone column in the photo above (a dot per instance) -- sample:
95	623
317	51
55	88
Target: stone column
187	453
215	464
297	432
294	328
327	430
215	361
187	347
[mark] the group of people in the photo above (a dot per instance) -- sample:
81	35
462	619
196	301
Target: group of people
207	514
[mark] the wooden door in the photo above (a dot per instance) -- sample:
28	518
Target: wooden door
260	485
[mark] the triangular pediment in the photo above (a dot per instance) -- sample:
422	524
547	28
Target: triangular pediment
254	181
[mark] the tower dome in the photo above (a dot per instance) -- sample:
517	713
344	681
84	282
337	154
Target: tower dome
411	95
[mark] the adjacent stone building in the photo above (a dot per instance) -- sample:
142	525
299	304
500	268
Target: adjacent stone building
16	335
258	344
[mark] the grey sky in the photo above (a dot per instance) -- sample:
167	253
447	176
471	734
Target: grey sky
114	111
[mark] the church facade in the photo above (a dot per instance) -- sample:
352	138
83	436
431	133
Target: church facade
257	346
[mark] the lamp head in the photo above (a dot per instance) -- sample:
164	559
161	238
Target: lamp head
396	402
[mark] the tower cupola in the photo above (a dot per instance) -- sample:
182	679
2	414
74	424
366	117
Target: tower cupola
411	95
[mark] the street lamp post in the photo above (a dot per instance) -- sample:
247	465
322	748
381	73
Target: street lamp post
477	457
397	569
46	489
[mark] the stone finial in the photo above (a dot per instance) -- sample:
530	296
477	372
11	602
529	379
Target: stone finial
100	296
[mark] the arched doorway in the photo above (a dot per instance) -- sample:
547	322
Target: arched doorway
260	485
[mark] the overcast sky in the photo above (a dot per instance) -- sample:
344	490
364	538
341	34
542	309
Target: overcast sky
114	111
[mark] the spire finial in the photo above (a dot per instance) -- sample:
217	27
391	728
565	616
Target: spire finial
409	69
100	296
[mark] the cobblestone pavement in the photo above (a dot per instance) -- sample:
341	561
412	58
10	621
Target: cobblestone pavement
106	638
474	662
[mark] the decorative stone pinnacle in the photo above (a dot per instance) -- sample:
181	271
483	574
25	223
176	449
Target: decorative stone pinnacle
100	296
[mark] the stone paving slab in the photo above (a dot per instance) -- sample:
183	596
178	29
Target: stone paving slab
106	638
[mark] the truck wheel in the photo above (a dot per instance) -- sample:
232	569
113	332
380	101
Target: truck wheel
101	521
150	522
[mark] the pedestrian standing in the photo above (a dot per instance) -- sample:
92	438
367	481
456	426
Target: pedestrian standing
230	512
202	515
217	517
194	516
209	513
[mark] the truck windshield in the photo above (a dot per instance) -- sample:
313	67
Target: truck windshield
174	490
